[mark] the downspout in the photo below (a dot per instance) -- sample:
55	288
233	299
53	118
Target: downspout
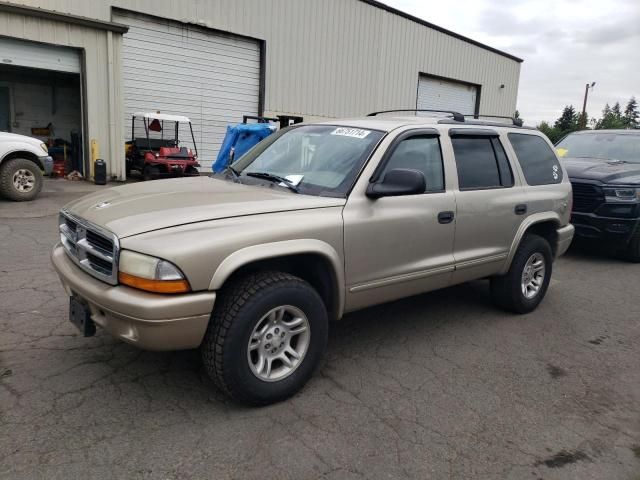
115	163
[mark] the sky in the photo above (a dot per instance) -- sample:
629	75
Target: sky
565	44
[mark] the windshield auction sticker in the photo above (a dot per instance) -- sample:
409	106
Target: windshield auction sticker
351	132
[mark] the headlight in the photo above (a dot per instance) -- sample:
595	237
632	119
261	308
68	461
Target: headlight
150	273
44	147
622	193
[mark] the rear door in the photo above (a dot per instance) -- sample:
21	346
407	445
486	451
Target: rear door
491	203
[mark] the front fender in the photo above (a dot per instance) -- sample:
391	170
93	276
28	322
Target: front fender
524	226
265	251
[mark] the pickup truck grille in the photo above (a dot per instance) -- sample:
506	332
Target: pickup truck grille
92	248
586	197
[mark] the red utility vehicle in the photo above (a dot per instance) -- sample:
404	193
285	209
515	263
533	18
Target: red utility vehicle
158	153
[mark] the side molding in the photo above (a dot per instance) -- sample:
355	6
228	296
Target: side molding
280	249
524	226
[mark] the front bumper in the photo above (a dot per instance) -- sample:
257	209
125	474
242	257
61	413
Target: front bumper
614	231
565	236
146	320
47	164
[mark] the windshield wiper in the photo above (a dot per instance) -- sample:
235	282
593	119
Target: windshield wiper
274	178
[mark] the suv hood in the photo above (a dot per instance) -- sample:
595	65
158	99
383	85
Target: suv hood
599	170
15	137
146	206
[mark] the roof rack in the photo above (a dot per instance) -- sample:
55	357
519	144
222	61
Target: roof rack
516	121
458	117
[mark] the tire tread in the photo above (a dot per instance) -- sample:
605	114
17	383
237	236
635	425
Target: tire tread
232	299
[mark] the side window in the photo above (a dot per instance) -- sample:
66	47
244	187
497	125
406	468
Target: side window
506	175
539	164
420	153
481	163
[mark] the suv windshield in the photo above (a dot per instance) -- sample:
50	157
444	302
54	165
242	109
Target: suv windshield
608	146
315	159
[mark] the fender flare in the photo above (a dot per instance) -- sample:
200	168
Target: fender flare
26	152
265	251
524	226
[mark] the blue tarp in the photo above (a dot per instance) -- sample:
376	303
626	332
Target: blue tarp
240	139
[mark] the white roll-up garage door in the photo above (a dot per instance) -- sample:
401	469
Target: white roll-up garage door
176	68
19	53
439	94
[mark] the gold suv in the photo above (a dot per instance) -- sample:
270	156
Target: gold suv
316	221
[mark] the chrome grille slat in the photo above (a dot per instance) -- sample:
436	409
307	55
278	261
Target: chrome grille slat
92	248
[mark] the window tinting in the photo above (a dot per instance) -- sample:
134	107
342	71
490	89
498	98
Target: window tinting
539	164
506	175
422	154
476	162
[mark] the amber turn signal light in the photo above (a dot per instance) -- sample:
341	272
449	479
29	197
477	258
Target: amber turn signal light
155	286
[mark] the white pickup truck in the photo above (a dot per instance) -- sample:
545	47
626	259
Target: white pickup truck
22	161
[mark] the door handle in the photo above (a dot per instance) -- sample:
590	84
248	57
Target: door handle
445	217
521	209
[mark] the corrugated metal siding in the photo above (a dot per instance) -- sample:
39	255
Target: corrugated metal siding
186	70
96	77
334	58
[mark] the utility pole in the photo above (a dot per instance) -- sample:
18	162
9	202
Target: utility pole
583	119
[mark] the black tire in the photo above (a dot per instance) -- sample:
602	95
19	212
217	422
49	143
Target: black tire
150	172
192	171
9	168
237	311
506	290
632	254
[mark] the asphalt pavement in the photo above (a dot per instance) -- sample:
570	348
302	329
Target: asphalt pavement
439	386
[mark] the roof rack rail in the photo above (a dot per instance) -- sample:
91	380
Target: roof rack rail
516	121
458	117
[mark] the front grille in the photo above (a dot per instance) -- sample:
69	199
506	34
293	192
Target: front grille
98	241
92	248
586	197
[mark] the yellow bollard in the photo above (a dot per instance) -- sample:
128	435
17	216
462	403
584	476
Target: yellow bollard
95	154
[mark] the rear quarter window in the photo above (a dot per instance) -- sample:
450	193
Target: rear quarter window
539	164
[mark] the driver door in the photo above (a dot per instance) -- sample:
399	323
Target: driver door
401	246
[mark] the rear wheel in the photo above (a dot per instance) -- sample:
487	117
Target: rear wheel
266	336
524	286
150	172
20	179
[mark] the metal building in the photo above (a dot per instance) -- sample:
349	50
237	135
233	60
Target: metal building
86	66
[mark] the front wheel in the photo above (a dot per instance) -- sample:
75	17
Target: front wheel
266	336
20	179
150	173
524	286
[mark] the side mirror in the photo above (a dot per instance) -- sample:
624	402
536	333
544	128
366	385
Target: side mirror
397	182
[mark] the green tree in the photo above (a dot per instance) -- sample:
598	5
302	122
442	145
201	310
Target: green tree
611	118
552	132
568	121
631	114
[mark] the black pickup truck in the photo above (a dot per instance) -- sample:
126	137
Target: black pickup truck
604	169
